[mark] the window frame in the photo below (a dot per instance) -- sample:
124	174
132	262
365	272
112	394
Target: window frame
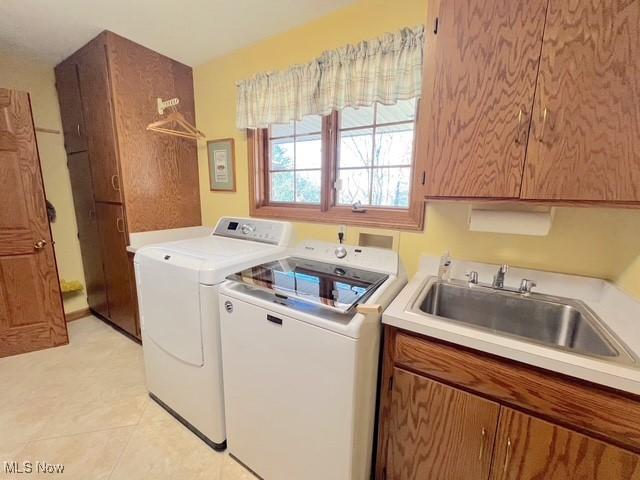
328	211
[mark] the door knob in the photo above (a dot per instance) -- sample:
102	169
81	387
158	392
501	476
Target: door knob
39	245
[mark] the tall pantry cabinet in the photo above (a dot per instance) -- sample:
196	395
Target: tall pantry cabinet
124	178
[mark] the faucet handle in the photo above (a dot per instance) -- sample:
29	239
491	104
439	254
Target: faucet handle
504	268
527	285
472	276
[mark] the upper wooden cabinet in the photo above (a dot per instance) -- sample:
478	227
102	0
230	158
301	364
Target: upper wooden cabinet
531	100
586	118
68	86
98	115
480	67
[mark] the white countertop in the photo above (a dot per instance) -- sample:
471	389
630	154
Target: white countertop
140	239
618	310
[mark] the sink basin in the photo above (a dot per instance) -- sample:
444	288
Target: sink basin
557	322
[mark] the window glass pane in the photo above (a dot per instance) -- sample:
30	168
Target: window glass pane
394	145
308	186
282	187
356	117
309	124
282	129
354	186
402	111
390	187
308	151
282	154
355	148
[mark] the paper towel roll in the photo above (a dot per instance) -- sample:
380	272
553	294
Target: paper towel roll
510	221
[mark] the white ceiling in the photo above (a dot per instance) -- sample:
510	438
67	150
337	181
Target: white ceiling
190	31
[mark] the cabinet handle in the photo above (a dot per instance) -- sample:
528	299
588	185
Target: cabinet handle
78	128
507	458
521	114
545	114
120	224
39	245
482	442
115	183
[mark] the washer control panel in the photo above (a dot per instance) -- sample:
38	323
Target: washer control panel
264	231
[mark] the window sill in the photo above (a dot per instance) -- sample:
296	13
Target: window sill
412	219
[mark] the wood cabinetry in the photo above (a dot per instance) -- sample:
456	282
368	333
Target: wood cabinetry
88	234
528	448
73	128
113	244
450	432
124	178
532	100
98	115
450	413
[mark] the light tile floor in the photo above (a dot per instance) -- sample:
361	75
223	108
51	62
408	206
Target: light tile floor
85	405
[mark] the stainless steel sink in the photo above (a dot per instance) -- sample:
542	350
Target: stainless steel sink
556	322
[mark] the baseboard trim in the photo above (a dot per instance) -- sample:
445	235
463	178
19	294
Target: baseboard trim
77	314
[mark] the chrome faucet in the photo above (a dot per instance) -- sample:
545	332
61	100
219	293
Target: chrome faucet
498	278
526	285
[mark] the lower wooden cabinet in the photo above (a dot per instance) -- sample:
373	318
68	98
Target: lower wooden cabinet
88	235
111	225
528	448
438	432
432	429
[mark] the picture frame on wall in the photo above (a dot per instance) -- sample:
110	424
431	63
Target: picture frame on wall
222	173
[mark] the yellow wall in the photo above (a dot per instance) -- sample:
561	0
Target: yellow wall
588	241
38	80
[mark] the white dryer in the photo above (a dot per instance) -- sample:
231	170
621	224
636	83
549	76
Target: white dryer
300	362
178	298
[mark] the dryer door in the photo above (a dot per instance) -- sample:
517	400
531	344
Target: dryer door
169	298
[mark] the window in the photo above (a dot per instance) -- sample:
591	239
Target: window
355	166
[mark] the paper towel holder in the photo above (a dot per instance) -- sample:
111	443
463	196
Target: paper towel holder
514	219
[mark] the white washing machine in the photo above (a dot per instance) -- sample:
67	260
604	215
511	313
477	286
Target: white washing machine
179	316
300	362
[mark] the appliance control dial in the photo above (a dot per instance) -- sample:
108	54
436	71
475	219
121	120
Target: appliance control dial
247	228
228	306
340	252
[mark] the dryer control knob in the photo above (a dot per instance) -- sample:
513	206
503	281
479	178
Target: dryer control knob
340	252
247	228
228	306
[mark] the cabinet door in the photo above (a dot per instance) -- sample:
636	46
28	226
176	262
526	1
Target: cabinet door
480	66
96	106
528	448
68	87
81	185
116	265
586	116
438	432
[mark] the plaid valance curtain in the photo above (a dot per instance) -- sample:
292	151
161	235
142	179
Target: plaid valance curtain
385	70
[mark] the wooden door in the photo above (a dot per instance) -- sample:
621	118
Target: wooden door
68	86
97	110
85	207
528	448
438	432
480	66
31	314
586	115
111	225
